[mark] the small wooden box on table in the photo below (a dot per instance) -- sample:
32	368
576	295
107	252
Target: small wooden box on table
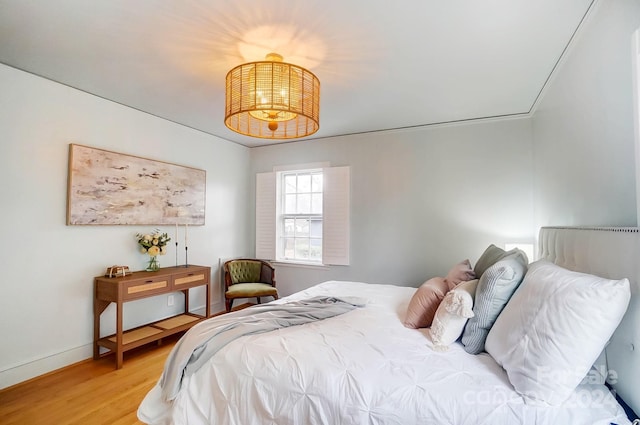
140	285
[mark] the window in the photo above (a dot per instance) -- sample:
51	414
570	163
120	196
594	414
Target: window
299	226
302	215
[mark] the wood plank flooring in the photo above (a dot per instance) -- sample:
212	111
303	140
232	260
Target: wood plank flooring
90	392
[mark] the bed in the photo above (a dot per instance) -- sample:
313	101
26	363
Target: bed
364	366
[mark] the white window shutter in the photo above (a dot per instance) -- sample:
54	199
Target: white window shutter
266	216
335	215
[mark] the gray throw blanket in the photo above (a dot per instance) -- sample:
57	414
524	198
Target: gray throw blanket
206	338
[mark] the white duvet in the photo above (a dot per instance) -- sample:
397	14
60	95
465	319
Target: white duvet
362	367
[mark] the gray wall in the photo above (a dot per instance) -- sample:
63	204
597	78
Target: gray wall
426	198
421	200
583	135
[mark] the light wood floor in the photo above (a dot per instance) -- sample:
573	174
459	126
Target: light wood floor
89	392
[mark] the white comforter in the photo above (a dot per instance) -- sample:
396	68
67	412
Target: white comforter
362	367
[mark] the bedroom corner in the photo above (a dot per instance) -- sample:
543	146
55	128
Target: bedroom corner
49	266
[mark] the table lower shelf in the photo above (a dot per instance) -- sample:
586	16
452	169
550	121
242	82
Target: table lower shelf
149	333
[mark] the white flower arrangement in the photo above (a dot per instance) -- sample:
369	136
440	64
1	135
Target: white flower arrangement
153	244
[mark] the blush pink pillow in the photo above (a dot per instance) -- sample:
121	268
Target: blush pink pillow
424	303
461	272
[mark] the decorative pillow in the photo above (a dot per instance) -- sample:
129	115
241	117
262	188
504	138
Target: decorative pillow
469	286
425	302
452	314
490	256
495	287
554	328
461	272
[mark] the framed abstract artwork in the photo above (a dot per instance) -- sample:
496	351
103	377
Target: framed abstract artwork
112	188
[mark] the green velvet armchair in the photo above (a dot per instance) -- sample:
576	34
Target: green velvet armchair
248	278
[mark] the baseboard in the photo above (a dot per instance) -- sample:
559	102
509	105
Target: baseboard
24	372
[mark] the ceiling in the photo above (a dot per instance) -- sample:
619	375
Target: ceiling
382	64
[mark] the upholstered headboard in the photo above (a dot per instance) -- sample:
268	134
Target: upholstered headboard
614	253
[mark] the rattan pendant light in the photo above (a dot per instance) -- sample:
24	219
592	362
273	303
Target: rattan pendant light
272	99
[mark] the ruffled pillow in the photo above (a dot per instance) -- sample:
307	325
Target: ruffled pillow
452	315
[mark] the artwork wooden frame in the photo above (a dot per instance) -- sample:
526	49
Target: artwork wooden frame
107	187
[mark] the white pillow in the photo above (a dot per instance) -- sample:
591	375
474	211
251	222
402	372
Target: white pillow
554	328
452	315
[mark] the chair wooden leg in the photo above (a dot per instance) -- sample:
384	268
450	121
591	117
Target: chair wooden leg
229	303
258	300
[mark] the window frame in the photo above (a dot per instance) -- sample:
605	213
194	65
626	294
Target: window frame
335	211
282	215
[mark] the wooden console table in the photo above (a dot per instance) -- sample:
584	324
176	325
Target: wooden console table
140	285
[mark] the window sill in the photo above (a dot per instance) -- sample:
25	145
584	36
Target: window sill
299	265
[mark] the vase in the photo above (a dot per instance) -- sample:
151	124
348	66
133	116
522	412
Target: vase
154	264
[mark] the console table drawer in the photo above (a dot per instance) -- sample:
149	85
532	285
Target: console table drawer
145	287
190	279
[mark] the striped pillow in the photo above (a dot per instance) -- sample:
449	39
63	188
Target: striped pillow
496	286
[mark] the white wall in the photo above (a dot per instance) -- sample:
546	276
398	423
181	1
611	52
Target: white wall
46	318
583	134
421	200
